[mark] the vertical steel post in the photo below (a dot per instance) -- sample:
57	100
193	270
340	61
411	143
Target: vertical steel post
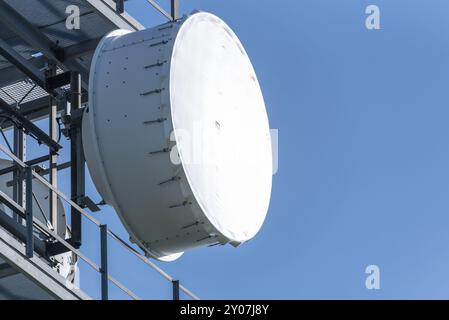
120	6
175	289
52	125
76	157
104	261
29	212
174	9
18	183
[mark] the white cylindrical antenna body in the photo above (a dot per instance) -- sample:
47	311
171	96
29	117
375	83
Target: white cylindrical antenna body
176	135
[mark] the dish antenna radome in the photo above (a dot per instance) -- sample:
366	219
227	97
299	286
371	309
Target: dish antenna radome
176	136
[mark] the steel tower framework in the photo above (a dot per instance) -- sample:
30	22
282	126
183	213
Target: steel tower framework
44	73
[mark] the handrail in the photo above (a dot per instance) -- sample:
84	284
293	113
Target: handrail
113	235
135	252
123	288
151	264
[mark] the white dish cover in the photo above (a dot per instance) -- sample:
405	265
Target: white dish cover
176	135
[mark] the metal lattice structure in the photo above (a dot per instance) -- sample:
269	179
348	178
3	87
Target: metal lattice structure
44	66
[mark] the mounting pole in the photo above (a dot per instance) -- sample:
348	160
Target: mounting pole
104	261
53	157
120	6
174	9
18	183
175	284
76	156
29	212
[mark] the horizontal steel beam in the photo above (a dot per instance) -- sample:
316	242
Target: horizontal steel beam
12	74
29	126
11	19
43	172
80	49
14	21
59	167
108	10
28	163
22	64
13	252
38	109
58	81
20	231
66	58
7	271
33	110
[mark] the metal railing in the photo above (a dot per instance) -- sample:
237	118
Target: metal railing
32	223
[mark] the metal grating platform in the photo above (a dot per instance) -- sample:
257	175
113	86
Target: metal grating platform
36	30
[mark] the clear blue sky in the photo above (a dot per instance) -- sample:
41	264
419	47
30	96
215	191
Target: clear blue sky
363	119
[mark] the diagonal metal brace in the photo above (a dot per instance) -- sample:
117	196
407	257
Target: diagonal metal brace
29	126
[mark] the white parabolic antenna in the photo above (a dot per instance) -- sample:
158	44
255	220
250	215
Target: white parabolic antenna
176	135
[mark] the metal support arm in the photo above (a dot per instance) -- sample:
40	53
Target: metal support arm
28	126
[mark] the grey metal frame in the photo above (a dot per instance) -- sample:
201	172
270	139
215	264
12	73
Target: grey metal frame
21	116
33	223
63	57
29	212
104	261
13	253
